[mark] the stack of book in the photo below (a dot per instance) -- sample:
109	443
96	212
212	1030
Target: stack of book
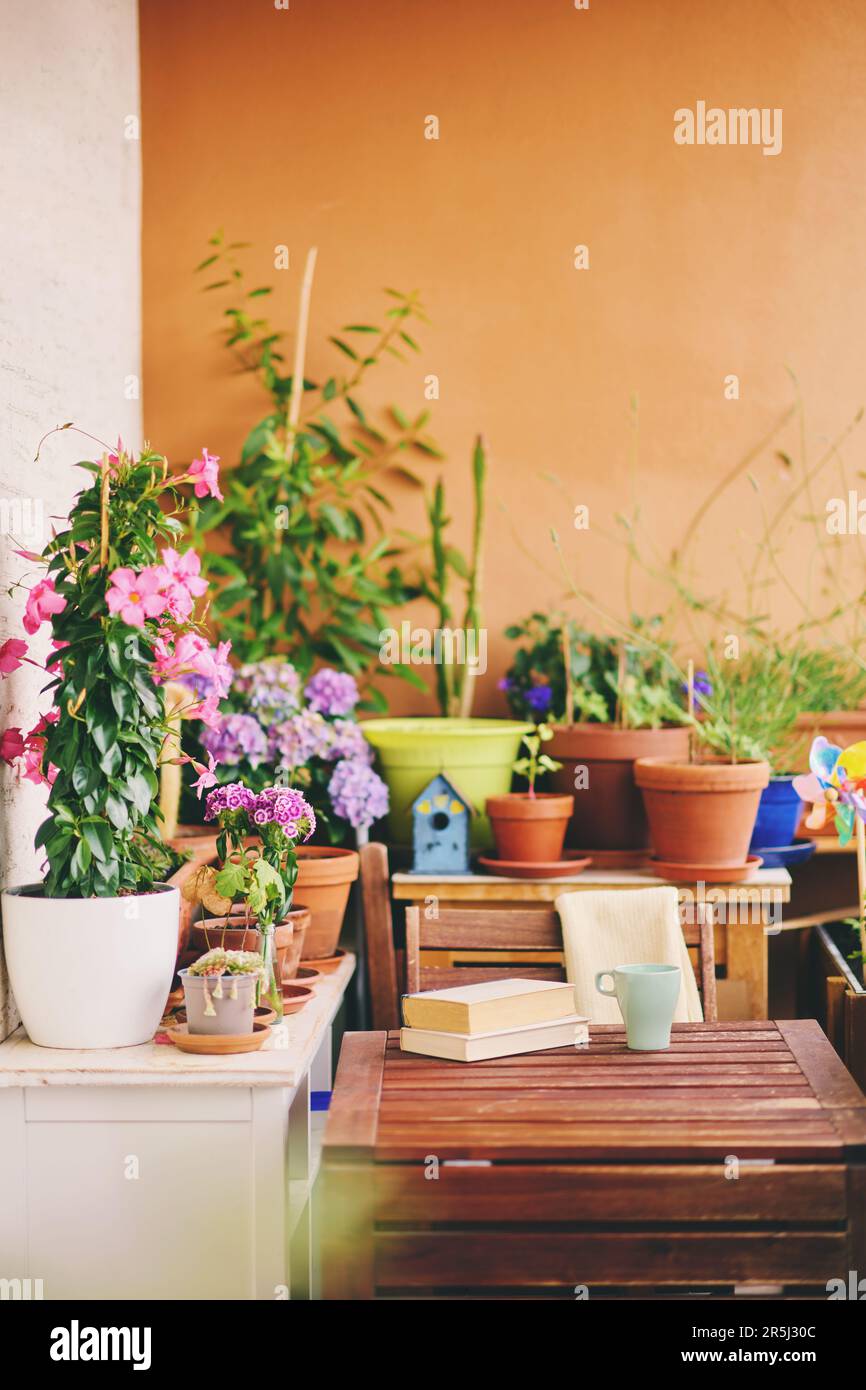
499	1018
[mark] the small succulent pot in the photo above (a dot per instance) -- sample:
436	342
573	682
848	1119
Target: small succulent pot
529	829
219	1004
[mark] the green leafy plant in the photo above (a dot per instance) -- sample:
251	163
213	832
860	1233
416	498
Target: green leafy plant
564	670
454	682
753	700
120	612
535	761
313	569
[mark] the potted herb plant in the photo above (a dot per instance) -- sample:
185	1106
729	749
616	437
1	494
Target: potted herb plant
529	827
91	949
221	990
256	843
611	702
702	808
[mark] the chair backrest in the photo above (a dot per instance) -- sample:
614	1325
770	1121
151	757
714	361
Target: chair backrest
384	960
487	938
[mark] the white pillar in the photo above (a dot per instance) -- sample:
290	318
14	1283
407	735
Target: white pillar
70	323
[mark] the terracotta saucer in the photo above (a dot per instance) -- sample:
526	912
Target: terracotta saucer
264	1015
306	976
616	858
325	963
706	873
295	997
219	1044
559	868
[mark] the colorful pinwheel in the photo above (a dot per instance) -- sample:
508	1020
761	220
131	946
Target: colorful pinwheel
836	784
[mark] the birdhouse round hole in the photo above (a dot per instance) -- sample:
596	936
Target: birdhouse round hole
439	820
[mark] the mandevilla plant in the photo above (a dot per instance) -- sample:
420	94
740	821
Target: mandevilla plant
120	599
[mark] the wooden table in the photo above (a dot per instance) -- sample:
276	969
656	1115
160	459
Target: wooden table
148	1173
741	942
734	1161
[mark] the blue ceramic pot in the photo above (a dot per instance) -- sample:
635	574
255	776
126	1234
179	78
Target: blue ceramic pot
779	814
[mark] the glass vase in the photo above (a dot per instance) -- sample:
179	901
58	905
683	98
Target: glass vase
271	994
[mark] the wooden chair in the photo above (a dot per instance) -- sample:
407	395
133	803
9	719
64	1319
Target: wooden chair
384	961
505	929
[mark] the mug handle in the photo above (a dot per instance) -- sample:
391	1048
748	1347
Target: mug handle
600	976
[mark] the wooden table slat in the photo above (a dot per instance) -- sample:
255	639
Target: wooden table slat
564	1259
657	1193
353	1113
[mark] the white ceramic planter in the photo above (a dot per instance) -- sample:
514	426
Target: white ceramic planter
90	972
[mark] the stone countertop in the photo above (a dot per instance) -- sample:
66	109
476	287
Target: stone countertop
282	1061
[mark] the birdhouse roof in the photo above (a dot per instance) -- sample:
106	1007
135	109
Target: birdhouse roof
438	781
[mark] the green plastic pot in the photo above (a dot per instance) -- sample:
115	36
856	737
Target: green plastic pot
476	754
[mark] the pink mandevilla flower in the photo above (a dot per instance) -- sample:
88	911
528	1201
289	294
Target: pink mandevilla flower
11	745
134	597
206	777
205	474
42	602
11	653
181	581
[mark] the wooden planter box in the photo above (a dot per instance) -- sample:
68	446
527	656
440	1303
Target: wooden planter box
841	1003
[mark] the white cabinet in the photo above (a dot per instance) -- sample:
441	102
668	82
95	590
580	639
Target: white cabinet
147	1174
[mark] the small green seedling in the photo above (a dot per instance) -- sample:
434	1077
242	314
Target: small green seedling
536	761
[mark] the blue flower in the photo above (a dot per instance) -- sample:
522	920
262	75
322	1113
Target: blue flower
539	698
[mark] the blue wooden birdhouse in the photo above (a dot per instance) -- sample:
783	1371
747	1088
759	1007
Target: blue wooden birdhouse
440	829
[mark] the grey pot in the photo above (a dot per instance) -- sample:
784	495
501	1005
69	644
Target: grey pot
231	1015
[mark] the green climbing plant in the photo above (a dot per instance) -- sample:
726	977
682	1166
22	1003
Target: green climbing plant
313	567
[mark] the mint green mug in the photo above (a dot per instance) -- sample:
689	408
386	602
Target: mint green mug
647	996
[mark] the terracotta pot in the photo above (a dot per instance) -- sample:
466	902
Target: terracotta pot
325	876
608	810
288	937
701	813
212	932
529	829
289	941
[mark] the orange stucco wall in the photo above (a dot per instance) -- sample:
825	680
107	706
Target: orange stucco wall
556	128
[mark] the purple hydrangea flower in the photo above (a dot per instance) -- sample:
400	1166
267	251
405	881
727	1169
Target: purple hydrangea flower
271	688
332	692
357	794
299	738
236	737
348	741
